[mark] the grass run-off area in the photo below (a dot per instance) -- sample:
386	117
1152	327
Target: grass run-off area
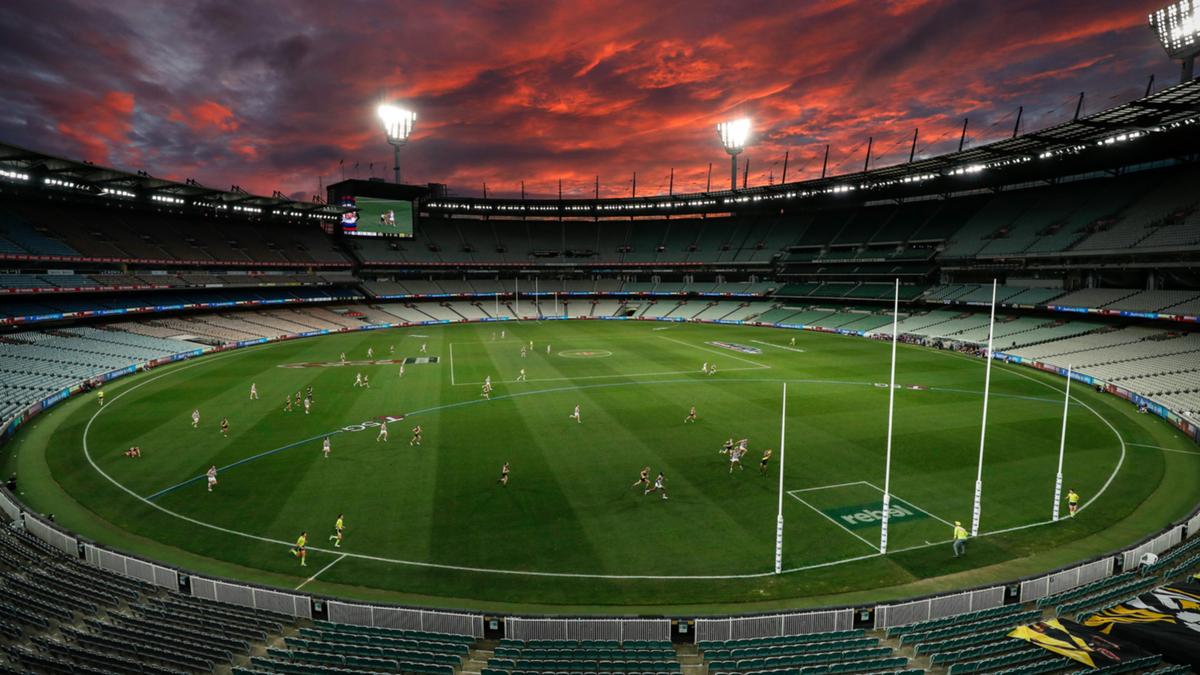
430	525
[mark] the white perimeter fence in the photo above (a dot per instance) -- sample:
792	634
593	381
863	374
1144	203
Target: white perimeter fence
622	629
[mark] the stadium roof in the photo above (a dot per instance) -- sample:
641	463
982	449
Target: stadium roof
28	168
1168	116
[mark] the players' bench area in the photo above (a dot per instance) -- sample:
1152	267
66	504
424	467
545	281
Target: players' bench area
512	657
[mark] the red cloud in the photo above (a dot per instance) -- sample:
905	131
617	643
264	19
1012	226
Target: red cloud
98	125
213	114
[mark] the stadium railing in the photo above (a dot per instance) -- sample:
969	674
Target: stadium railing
937	607
616	629
774	625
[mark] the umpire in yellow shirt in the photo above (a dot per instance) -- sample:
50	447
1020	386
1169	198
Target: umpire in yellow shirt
960	539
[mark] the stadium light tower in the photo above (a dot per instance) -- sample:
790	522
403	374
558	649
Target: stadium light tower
734	135
1178	30
398	125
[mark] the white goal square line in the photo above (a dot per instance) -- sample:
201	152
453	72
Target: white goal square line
794	494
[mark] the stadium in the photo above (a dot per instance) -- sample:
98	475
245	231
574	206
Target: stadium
938	414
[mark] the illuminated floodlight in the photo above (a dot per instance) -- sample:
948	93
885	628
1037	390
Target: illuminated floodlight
734	134
398	125
397	122
1178	29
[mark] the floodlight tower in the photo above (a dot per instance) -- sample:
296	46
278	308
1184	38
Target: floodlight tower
733	135
398	126
1178	30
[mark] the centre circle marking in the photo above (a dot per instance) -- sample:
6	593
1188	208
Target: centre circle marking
585	354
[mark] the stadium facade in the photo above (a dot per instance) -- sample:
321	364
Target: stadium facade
1091	227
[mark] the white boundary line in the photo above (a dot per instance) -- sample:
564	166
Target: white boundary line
826	516
1159	447
1120	461
451	364
88	456
322	571
713	351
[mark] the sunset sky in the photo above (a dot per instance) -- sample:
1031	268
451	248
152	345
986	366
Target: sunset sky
273	95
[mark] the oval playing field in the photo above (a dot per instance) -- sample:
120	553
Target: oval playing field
431	524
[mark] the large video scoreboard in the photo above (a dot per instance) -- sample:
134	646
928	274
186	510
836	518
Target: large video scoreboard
378	209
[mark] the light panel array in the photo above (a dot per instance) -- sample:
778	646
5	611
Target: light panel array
1178	29
734	134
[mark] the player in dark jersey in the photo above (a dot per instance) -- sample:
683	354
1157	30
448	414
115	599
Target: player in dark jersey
762	464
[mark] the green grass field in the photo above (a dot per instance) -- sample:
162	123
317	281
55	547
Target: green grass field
430	525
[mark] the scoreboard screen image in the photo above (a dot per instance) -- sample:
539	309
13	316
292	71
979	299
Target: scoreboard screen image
375	217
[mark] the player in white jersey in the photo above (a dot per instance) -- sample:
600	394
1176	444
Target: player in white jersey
691	416
521	376
660	485
704	368
735	458
370	352
401	370
792	342
547	350
342	356
195	419
307	404
212	477
326	447
502	334
487	381
253	392
423	348
531	345
358	379
575	415
391	349
382	433
524	353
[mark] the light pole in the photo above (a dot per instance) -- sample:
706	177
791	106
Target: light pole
733	135
397	125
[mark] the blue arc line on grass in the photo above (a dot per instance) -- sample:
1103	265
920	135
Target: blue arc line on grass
604	385
245	460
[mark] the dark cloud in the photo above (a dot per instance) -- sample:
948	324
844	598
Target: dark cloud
272	94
